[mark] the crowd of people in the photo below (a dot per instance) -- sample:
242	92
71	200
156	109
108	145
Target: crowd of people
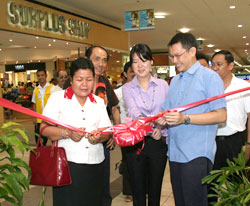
195	141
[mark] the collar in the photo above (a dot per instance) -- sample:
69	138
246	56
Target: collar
135	82
46	85
192	69
68	94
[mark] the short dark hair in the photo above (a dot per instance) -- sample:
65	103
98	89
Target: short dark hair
41	70
81	63
187	40
142	50
228	55
126	67
90	50
202	56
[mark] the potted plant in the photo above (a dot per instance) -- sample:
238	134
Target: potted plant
12	177
230	184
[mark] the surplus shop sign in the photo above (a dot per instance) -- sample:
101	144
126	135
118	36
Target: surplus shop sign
31	18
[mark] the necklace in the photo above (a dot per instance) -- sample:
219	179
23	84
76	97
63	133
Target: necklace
151	107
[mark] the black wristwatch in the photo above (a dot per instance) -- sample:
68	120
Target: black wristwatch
187	120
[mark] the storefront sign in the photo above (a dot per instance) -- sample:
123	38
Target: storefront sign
24	67
32	18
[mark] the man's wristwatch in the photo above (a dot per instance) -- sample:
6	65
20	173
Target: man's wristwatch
187	120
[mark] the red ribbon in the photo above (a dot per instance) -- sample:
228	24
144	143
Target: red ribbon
127	134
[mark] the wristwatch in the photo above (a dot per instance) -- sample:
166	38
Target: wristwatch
187	120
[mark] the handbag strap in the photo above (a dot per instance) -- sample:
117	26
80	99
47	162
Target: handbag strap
39	141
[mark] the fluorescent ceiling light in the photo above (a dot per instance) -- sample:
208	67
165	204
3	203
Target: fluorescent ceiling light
200	39
232	7
184	30
210	45
217	50
160	15
240	25
244	37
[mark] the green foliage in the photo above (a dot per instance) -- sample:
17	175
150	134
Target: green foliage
230	184
12	179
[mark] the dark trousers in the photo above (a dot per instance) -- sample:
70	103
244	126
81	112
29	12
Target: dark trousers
186	181
150	163
37	131
86	188
228	147
126	182
106	175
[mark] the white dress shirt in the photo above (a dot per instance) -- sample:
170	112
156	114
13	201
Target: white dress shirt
238	105
91	116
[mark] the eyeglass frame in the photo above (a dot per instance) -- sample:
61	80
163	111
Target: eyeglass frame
177	56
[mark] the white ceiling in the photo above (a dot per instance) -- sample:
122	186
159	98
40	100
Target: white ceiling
208	19
212	20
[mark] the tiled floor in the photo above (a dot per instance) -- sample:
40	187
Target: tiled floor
33	196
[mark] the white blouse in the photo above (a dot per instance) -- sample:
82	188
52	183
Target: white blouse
92	115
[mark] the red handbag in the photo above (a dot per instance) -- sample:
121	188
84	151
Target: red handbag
49	165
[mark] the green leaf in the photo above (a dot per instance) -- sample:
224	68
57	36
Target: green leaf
15	141
3	192
11	152
19	162
8	124
22	133
13	186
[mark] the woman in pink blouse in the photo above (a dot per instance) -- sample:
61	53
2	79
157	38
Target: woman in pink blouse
143	97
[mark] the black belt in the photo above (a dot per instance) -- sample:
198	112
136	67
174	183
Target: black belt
229	136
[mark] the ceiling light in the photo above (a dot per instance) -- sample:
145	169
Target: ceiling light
11	40
232	7
38	60
210	45
118	61
247	70
49	45
30	60
37	37
240	25
247	44
160	15
200	39
216	50
16	62
54	40
184	30
245	50
244	37
67	43
0	49
34	47
237	63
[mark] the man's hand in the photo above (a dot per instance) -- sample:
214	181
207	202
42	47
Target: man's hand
174	118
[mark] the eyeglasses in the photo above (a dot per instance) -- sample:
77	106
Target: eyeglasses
63	77
177	56
218	64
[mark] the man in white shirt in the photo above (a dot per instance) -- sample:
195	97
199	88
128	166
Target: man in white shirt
40	97
232	134
62	77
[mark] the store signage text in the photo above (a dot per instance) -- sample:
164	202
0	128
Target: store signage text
29	17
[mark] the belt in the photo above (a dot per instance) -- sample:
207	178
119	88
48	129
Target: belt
228	136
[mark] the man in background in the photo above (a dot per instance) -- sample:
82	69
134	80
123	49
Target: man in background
40	97
99	57
231	135
62	77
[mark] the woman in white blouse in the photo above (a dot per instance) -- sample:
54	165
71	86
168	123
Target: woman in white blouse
78	107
